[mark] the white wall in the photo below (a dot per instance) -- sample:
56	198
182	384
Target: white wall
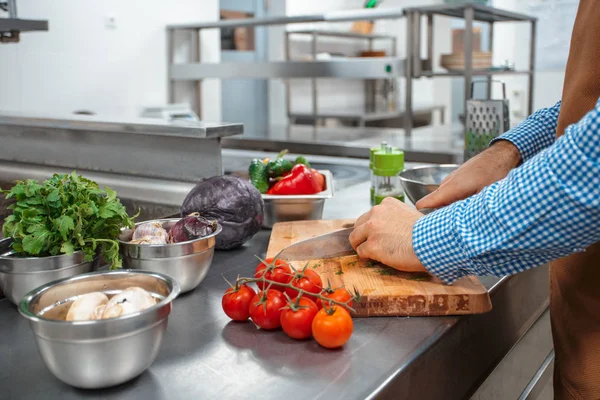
82	64
346	93
511	42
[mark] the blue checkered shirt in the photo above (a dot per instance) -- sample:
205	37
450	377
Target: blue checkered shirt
546	209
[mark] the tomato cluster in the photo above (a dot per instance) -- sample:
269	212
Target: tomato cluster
279	304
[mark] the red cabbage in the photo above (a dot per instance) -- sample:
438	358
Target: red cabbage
234	202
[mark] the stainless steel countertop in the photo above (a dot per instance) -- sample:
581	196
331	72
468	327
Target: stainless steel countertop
441	144
146	126
205	356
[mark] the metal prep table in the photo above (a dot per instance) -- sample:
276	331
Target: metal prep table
432	144
205	356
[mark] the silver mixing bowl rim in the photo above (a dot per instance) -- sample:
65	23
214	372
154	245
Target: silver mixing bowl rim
215	233
24	303
425	167
9	254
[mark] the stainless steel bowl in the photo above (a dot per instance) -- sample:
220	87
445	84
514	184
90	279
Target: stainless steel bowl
187	262
418	182
103	353
19	275
297	207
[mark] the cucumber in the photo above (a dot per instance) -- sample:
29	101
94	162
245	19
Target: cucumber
279	167
258	175
302	160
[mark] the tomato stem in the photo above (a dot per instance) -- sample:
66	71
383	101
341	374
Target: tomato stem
296	274
301	292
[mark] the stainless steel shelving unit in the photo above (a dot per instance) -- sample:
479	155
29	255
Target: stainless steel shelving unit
413	67
370	112
11	27
416	67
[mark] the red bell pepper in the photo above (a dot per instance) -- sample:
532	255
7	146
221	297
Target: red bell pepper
299	181
319	178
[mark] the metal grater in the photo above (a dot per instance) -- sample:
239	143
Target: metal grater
485	120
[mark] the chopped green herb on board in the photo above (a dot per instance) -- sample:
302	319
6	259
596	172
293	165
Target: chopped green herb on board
387	271
420	277
339	272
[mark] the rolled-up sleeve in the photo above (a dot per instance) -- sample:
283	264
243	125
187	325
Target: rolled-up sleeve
534	134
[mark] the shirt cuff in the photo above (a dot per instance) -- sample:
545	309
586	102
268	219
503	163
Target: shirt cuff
528	138
438	246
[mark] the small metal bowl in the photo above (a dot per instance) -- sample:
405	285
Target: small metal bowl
102	353
19	275
187	262
418	182
284	208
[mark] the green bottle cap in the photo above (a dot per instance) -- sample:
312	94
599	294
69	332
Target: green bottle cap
388	162
374	150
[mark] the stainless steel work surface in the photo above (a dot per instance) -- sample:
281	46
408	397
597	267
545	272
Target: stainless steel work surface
205	356
431	144
145	126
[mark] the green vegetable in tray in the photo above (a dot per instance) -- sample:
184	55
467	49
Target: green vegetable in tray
266	173
64	214
279	167
258	175
302	160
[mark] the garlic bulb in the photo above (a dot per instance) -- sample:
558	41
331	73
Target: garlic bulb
130	300
150	240
153	228
85	307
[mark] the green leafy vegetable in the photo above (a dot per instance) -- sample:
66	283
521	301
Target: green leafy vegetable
65	214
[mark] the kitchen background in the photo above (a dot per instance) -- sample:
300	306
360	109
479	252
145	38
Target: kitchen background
109	56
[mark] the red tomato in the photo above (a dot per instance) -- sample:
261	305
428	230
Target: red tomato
339	294
267	315
282	273
298	324
332	331
236	303
310	282
319	178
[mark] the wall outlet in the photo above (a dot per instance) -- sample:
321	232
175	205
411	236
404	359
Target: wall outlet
517	103
110	22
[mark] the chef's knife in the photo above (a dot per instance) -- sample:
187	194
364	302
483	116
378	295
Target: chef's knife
335	244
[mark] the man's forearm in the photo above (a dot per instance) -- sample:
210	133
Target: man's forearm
544	210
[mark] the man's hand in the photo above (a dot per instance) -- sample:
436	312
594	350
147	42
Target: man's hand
480	171
384	234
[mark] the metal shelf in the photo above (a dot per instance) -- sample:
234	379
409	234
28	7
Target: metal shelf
337	16
430	74
341	34
368	68
362	115
22	25
481	12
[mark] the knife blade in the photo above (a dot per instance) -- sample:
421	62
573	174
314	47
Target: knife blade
330	245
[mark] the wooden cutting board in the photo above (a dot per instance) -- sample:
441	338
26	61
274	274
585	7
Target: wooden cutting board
384	291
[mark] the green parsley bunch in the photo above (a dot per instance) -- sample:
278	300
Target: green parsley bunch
64	214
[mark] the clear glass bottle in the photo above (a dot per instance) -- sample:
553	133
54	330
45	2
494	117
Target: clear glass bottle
387	165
